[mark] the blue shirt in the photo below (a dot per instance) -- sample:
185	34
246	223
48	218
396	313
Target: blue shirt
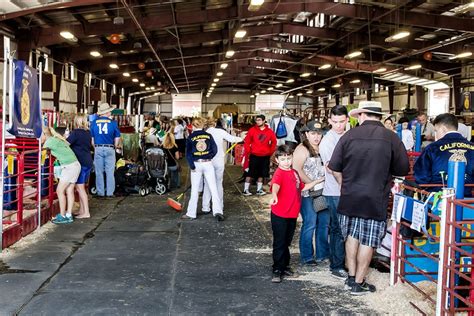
200	145
104	130
80	143
435	157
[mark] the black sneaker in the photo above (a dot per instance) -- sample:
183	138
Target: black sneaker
362	288
288	272
340	274
276	276
219	217
350	281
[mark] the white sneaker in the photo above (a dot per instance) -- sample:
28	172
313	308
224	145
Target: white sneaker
261	192
246	193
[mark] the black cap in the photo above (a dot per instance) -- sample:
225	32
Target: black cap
313	125
260	116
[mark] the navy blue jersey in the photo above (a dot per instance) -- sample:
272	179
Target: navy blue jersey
200	145
435	157
80	143
104	130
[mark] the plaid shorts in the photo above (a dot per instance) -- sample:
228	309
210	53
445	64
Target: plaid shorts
368	232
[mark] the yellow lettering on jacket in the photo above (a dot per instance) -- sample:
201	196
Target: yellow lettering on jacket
202	136
456	145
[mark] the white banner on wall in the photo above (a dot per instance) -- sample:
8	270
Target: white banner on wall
187	104
269	102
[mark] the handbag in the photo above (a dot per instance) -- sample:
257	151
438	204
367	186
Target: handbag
281	129
319	202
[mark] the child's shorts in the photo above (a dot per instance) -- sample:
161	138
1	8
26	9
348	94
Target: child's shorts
70	172
84	175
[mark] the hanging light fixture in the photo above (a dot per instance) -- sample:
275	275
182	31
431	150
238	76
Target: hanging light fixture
379	70
224	65
229	53
461	55
325	66
279	85
240	33
353	54
305	75
397	36
219	74
413	67
291	80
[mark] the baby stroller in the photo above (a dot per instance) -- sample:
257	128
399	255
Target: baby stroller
132	178
157	168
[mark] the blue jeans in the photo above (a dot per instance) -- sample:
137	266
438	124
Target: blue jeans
337	245
314	224
104	161
174	177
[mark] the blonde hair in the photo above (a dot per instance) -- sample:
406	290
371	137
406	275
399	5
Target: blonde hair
211	122
51	132
169	141
198	122
80	121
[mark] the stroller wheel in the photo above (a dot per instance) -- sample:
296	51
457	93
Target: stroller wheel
93	190
142	191
148	190
160	189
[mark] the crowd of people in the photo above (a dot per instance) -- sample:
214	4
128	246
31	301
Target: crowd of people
338	179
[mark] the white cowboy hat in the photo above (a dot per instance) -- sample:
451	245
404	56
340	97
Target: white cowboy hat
367	107
104	108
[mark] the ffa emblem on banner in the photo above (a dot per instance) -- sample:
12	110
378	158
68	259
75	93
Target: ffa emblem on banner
26	116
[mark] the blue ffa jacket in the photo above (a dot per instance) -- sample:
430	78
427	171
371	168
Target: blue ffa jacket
435	157
200	145
104	130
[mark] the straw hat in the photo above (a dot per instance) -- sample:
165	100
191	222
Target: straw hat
104	108
367	107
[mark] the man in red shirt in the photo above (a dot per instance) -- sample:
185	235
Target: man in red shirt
285	204
259	145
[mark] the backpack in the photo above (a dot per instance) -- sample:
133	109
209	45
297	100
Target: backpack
281	129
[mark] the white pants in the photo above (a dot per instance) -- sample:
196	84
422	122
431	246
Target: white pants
205	169
206	197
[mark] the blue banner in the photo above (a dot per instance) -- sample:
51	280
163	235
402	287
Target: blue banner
26	104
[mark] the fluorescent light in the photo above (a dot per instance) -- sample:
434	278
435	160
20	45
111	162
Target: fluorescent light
337	85
142	84
219	74
299	94
240	33
252	96
113	66
147	88
290	80
309	91
355	81
216	80
306	74
322	89
126	74
257	93
135	80
397	36
68	35
325	66
95	53
270	88
291	96
413	67
279	85
354	54
213	84
263	91
229	53
256	2
382	69
255	5
462	55
224	65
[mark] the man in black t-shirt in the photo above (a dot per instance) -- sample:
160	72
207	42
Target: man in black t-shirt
364	162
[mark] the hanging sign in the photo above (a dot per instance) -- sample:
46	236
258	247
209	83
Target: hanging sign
26	101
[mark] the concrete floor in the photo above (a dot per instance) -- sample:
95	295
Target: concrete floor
135	257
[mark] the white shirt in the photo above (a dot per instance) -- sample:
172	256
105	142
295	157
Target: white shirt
407	139
179	132
464	130
290	125
219	136
326	148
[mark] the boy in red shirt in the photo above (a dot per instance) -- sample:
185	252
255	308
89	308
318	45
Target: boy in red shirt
285	204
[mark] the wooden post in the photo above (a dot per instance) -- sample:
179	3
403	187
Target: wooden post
420	98
80	90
